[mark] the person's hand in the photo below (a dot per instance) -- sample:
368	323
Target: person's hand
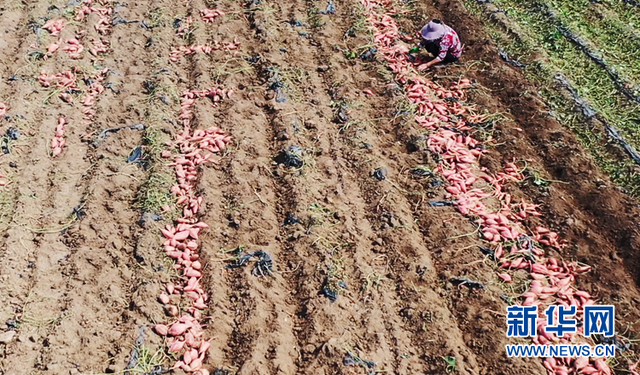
424	67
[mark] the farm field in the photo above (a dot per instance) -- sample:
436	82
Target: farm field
272	187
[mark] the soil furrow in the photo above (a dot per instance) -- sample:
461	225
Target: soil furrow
322	347
120	274
227	311
229	290
287	202
15	17
398	335
108	177
246	302
382	303
45	209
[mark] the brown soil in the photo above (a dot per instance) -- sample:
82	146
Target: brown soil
78	293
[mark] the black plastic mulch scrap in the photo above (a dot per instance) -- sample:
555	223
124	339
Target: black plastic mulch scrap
471	284
525	239
164	99
435	183
135	155
79	210
366	146
252	59
133	356
396	112
615	134
453	100
276	85
291	219
117	20
149	86
421	172
12	324
109	85
331	9
77	91
146	24
633	2
105	133
380	174
488	252
416	143
146	216
330	293
296	23
331	287
290	157
507	299
12	134
440	203
38	30
342	116
505	56
353	360
263	266
613	340
589	112
369	54
35	55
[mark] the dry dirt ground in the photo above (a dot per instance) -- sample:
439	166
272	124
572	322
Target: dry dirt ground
80	271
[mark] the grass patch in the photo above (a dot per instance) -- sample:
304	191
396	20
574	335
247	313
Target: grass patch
626	13
154	194
313	18
218	72
157	17
292	79
359	25
373	281
148	361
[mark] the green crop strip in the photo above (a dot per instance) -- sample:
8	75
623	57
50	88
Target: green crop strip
592	82
619	45
537	37
626	13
